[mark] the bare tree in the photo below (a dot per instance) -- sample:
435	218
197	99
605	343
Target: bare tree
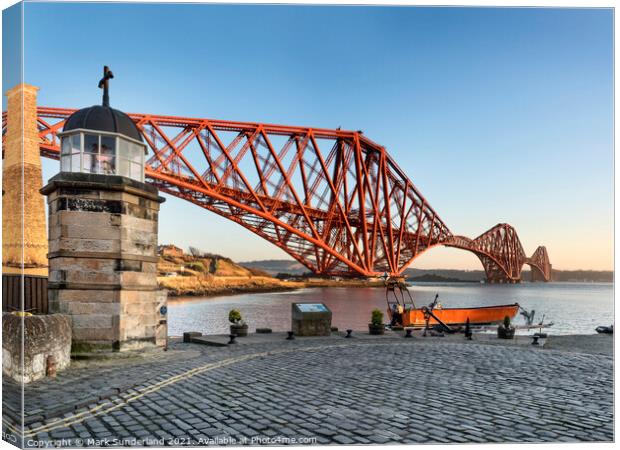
196	252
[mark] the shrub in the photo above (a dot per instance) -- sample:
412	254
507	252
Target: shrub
234	316
507	322
196	266
377	317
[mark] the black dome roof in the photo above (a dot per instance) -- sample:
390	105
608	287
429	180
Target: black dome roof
103	118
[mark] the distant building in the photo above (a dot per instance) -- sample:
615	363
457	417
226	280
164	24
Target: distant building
170	250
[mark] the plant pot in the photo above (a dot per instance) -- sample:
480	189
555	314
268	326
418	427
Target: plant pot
375	329
239	330
505	333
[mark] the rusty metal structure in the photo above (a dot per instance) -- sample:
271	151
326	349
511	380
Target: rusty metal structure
332	199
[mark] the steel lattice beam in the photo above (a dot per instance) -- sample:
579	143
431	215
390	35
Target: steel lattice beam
332	199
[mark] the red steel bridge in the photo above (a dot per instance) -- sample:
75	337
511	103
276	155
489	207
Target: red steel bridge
332	199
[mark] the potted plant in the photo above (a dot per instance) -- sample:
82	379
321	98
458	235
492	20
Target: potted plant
506	330
376	322
238	326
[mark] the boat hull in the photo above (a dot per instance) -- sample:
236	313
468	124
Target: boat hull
484	315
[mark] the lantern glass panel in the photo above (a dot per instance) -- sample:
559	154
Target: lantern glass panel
108	145
75	162
91	143
136	171
135	153
90	163
65	146
123	167
65	164
76	143
107	156
123	148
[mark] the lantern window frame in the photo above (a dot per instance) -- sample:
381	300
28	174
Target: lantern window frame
123	160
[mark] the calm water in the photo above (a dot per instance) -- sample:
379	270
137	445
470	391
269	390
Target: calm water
575	308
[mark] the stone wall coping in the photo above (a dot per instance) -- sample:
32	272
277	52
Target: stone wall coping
21	87
102	255
101	182
101	286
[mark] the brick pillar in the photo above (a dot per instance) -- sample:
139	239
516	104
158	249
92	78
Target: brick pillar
103	261
23	218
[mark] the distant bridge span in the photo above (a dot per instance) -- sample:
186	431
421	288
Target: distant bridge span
332	199
502	255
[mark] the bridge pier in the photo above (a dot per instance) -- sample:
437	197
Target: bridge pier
537	275
24	232
495	274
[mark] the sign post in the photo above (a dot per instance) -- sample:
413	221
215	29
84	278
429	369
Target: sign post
311	319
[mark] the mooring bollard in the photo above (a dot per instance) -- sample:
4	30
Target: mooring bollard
468	333
50	370
232	338
290	336
535	339
349	333
408	332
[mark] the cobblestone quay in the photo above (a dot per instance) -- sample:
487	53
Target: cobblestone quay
325	390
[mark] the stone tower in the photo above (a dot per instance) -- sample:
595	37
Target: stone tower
103	221
24	233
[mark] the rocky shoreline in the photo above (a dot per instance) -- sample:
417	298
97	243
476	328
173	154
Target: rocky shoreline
217	292
220	286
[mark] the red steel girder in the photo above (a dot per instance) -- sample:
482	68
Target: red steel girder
325	196
332	199
502	255
540	264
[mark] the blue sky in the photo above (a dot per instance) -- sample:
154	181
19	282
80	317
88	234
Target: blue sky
497	115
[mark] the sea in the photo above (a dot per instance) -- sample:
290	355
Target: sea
572	308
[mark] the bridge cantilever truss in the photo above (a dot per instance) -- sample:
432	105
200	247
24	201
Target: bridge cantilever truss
502	255
332	199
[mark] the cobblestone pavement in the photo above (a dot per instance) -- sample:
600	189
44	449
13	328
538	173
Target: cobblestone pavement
328	391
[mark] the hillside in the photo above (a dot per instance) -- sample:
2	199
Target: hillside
216	265
210	274
277	266
433	278
206	274
586	276
282	266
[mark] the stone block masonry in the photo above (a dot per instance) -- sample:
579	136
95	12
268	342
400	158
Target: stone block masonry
23	217
103	255
29	342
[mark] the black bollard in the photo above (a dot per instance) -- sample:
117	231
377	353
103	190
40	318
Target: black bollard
535	339
349	333
232	338
290	336
408	332
468	333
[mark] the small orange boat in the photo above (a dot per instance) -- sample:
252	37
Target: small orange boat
411	316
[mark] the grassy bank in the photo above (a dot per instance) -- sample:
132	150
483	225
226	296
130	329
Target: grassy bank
211	275
206	286
214	285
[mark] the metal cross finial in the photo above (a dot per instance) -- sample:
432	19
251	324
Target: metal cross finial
103	83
